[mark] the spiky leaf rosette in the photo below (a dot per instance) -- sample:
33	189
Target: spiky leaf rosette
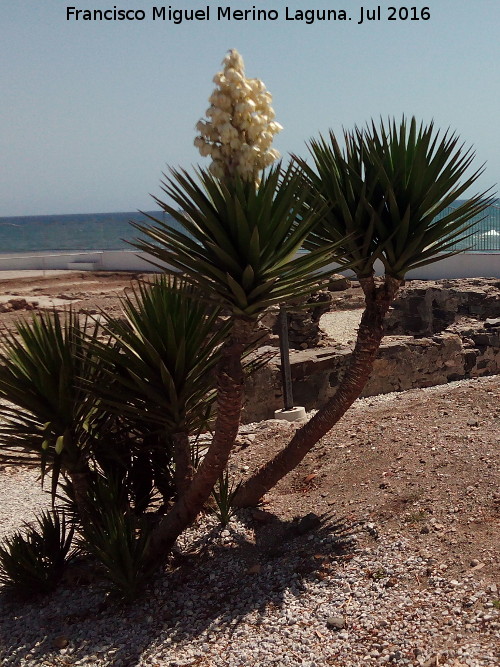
117	539
239	244
33	561
44	407
168	344
389	187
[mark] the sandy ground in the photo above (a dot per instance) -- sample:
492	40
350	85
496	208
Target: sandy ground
423	462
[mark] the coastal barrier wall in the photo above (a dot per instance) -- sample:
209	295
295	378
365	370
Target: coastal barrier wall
99	260
465	265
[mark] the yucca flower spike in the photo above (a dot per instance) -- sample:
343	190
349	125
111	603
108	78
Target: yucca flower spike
239	127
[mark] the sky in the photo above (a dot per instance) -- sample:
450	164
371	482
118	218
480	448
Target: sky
93	112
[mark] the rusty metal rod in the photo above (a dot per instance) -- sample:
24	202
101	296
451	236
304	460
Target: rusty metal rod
286	373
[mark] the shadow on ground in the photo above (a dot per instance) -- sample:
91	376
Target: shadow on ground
220	581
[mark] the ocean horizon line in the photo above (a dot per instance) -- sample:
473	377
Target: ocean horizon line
72	215
78	232
495	203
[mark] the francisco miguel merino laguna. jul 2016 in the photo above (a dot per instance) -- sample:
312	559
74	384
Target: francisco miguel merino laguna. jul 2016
227	13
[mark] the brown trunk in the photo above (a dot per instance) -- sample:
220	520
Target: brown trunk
80	484
378	300
182	460
230	381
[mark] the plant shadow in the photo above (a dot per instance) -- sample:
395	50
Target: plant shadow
227	576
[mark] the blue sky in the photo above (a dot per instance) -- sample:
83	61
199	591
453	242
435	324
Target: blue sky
92	112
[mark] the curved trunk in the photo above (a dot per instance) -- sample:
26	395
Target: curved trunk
80	483
230	381
370	334
182	459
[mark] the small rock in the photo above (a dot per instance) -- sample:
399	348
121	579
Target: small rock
336	622
18	304
261	516
430	662
60	642
371	529
307	523
479	566
338	283
425	530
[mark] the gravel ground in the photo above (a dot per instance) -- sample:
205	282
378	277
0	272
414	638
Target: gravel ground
418	585
341	325
261	593
304	605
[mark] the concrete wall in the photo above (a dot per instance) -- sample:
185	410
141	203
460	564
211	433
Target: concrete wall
100	260
465	265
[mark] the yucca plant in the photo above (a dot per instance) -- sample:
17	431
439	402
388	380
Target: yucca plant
44	408
141	455
168	342
238	243
223	496
238	247
117	538
33	561
388	188
161	376
383	192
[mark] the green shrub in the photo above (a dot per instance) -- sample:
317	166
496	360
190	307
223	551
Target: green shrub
33	561
117	538
223	495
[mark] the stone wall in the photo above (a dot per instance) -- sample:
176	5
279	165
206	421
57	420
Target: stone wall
403	362
303	321
424	308
304	314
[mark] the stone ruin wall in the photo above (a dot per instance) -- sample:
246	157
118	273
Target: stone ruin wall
455	327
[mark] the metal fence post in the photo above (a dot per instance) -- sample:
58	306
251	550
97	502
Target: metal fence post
286	374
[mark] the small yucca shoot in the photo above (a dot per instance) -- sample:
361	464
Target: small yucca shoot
33	561
223	495
118	540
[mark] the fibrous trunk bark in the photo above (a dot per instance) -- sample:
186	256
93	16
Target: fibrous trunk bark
183	465
370	334
80	482
230	380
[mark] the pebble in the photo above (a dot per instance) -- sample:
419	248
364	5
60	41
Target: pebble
336	622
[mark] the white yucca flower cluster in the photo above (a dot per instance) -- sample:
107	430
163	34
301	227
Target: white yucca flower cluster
239	127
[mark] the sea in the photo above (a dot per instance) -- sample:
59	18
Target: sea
81	231
113	231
